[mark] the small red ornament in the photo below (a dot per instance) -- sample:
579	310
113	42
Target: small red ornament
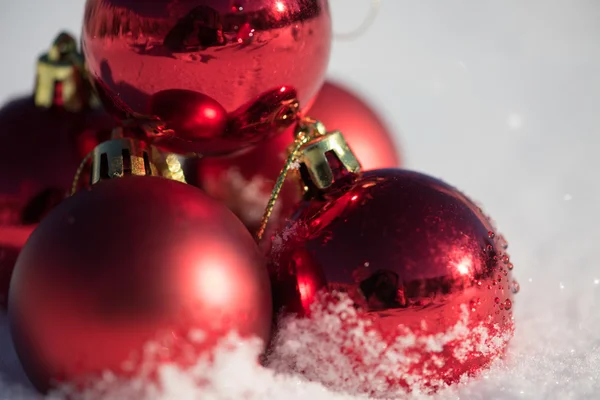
126	262
43	138
415	257
367	134
247	57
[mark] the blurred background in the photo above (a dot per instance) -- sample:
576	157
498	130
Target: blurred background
499	98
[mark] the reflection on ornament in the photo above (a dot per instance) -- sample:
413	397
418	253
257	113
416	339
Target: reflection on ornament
236	55
412	255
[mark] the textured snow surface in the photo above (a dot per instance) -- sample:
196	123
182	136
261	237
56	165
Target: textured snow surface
499	98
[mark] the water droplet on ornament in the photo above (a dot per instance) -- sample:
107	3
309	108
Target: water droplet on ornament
473	304
515	287
497	300
510	266
505	259
507	304
505	272
491	235
489	247
478	283
490	287
499	278
501	306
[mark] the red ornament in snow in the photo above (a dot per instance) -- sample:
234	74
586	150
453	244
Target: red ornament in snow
234	54
43	138
424	280
131	260
339	108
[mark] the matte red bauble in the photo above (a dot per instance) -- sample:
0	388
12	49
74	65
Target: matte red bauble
249	58
367	134
43	138
426	277
132	260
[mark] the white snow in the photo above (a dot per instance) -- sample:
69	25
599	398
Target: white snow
538	59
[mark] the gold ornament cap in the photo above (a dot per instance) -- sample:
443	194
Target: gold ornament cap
59	77
326	159
121	157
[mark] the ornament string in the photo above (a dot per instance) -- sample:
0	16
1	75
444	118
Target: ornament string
308	130
364	26
79	172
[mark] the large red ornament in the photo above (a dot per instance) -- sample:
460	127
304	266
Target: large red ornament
365	131
43	138
256	59
129	261
414	256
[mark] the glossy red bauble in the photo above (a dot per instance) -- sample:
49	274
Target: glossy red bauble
338	108
127	262
249	58
416	259
40	150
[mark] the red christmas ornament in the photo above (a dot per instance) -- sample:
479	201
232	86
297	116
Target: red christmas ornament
249	58
128	261
419	263
368	136
43	138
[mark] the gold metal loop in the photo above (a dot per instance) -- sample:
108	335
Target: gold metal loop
307	131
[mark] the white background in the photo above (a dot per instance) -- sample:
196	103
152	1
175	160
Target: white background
498	97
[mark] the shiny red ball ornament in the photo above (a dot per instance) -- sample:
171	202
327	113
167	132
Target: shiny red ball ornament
427	279
339	108
248	58
43	138
129	261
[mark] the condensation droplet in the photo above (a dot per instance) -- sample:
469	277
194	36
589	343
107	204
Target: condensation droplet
491	235
510	266
497	300
473	304
499	277
515	287
501	306
505	259
505	272
489	247
507	304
